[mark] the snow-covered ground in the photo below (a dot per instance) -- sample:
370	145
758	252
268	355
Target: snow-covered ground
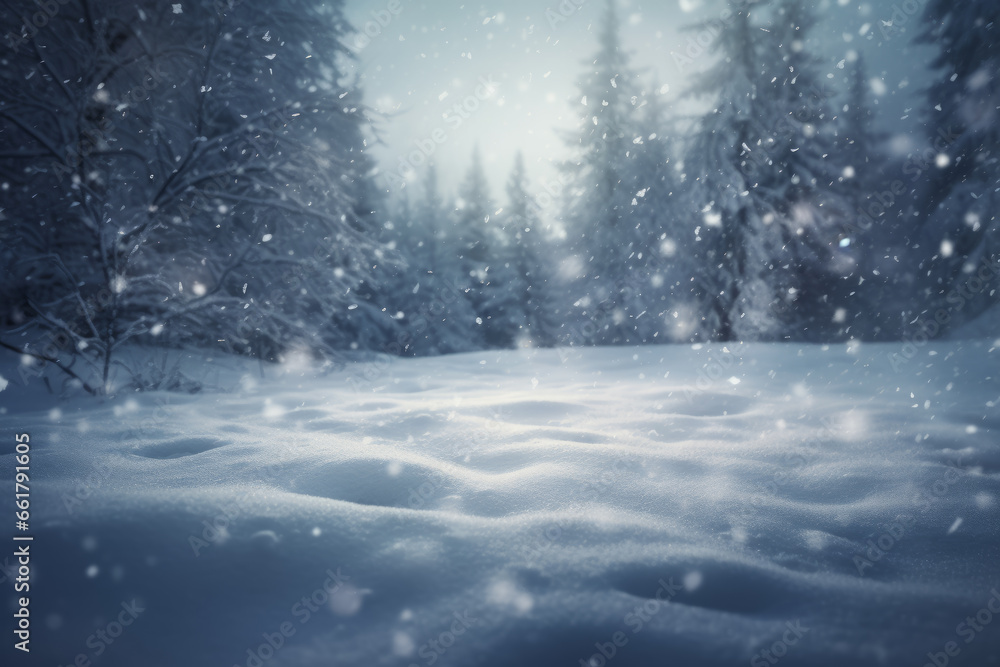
658	506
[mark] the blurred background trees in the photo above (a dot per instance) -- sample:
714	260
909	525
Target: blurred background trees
199	174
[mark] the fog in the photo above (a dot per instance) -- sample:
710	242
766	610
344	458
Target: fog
415	61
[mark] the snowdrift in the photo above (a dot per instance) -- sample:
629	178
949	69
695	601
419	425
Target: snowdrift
825	505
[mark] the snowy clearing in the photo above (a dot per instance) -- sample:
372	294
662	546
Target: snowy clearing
529	508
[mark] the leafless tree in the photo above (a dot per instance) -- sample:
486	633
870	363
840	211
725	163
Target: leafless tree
175	174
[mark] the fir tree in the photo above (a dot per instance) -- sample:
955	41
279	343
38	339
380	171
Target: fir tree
433	304
527	252
479	243
761	161
962	191
603	234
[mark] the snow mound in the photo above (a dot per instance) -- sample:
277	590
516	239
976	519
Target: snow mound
663	505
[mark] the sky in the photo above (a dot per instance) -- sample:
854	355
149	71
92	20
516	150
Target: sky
446	76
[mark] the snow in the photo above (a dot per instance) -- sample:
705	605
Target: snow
525	507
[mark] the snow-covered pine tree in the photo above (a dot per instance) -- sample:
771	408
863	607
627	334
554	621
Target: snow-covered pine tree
431	293
603	235
761	162
829	302
823	237
398	277
366	320
859	141
479	250
963	110
659	285
724	165
870	237
433	247
533	306
961	189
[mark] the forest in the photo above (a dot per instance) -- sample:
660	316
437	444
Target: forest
453	333
201	176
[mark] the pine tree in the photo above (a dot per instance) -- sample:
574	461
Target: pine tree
434	308
604	236
659	287
478	239
869	301
961	190
963	115
433	248
858	146
761	160
367	321
532	305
